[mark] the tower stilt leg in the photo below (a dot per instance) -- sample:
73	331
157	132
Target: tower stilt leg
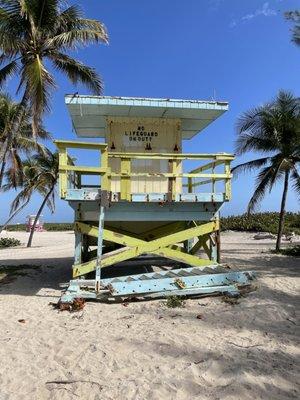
99	249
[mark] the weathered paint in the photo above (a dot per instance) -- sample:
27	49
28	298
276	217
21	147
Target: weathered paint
99	249
145	199
128	175
89	113
135	247
188	281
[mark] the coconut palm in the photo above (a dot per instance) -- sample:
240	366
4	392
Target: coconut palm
24	181
295	17
33	32
274	130
40	174
45	171
13	148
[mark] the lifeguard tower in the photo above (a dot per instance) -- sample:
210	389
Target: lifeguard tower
147	206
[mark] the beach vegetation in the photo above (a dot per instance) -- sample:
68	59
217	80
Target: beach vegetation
262	222
293	251
175	302
9	242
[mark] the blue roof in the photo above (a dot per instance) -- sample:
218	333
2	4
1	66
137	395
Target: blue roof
89	113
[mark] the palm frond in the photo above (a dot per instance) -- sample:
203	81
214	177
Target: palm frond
7	71
31	32
76	38
14	169
296	180
39	82
250	165
72	19
263	182
46	13
271	127
76	71
295	17
279	165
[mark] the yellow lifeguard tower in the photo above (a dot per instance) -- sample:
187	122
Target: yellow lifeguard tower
147	207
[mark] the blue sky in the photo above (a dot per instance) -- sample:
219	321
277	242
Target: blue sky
232	50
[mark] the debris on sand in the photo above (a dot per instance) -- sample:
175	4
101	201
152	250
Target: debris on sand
76	305
264	235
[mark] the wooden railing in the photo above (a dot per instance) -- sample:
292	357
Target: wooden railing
70	175
205	174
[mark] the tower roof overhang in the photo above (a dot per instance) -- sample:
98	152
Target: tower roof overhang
89	113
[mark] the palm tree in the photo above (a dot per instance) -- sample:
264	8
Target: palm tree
40	174
21	144
45	171
274	130
25	181
33	32
295	17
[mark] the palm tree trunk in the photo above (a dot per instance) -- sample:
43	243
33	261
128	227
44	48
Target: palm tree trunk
3	163
2	172
282	209
38	215
13	215
12	130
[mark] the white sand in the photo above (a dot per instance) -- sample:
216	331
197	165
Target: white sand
145	350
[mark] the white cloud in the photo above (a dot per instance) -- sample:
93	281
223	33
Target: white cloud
215	4
265	11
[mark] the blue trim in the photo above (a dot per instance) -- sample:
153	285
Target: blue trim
159	285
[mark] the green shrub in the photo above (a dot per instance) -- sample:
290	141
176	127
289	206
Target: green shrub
289	251
174	302
262	222
62	226
258	222
9	242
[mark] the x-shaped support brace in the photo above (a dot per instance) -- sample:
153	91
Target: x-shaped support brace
133	247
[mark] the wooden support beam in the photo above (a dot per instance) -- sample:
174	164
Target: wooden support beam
84	170
197	246
167	175
105	180
155	233
179	156
207	166
228	181
72	144
63	177
183	257
125	179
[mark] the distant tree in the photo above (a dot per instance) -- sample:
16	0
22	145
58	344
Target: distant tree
33	32
274	130
12	148
295	17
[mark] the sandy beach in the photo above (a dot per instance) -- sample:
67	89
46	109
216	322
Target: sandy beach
145	350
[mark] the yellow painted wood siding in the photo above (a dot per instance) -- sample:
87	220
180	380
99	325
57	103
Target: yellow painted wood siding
149	135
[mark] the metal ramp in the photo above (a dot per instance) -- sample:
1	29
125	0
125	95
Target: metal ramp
179	282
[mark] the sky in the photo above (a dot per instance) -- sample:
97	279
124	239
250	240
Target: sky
238	51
